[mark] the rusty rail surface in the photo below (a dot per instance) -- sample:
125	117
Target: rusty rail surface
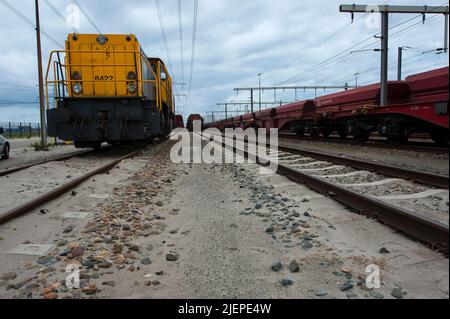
436	180
410	146
48	160
429	231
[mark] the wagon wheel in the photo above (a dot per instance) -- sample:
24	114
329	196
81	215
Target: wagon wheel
326	132
315	132
439	137
343	132
300	132
361	135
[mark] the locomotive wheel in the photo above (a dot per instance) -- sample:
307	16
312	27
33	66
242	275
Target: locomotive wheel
80	145
361	135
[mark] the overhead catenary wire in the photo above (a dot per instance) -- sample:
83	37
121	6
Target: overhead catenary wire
56	11
163	32
17	85
91	21
194	41
31	23
339	56
180	30
325	41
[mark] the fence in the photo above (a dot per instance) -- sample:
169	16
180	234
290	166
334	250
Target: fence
20	130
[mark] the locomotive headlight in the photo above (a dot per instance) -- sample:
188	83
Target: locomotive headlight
132	88
76	76
131	75
77	88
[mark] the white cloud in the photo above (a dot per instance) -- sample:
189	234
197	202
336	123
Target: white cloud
236	40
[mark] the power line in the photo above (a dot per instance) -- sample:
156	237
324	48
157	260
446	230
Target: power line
56	11
24	18
194	40
324	41
87	16
17	85
339	57
163	32
180	23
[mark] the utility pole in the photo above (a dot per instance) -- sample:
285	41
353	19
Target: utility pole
44	145
356	79
385	10
259	76
399	67
384	58
251	99
446	34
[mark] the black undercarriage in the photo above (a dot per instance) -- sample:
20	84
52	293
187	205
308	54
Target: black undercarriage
90	122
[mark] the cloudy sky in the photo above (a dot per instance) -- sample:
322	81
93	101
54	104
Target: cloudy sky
290	42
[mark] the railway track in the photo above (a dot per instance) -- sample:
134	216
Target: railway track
13	170
373	143
77	166
402	203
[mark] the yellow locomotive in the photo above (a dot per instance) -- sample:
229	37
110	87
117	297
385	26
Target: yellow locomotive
105	89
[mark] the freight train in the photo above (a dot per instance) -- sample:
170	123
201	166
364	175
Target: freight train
417	105
106	89
179	121
191	119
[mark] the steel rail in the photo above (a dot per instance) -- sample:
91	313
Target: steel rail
410	146
422	228
436	180
57	192
48	160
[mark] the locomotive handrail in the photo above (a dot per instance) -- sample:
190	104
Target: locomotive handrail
140	83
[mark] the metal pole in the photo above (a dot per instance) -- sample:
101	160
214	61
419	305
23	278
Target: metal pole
259	76
399	67
251	98
41	80
356	80
446	34
384	58
226	111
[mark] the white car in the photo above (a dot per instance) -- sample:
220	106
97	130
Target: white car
4	146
